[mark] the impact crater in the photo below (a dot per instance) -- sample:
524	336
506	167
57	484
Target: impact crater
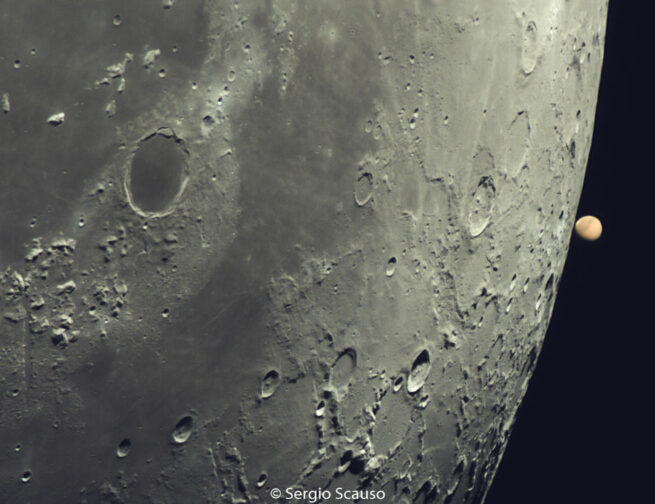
156	176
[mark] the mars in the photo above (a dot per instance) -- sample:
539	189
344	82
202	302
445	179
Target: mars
589	228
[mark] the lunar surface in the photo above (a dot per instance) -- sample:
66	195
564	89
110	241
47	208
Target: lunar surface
257	248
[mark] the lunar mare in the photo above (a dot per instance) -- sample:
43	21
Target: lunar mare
257	245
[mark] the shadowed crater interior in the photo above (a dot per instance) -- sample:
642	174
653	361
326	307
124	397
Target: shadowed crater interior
156	173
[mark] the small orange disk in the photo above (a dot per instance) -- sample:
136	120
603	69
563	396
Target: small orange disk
588	228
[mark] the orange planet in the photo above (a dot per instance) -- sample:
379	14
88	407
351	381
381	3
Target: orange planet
588	228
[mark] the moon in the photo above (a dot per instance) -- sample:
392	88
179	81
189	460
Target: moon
255	246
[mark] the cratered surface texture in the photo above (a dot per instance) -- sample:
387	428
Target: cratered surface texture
265	245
